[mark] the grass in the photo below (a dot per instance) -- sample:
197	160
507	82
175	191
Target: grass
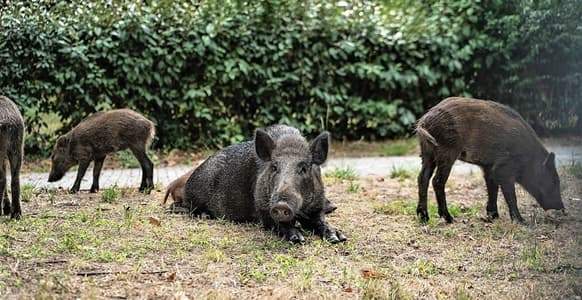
41	254
27	192
345	173
126	159
353	187
408	207
399	147
423	268
575	169
401	173
111	194
532	257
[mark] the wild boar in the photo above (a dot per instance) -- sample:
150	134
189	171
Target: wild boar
11	149
176	188
274	179
97	136
494	137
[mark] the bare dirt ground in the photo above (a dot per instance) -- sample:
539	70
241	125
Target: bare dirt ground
122	244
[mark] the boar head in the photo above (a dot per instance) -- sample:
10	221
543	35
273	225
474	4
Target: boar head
287	179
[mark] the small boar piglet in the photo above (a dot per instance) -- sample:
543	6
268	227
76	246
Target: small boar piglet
274	179
11	149
494	137
97	136
176	188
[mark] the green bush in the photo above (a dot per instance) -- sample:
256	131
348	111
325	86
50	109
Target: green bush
533	61
208	73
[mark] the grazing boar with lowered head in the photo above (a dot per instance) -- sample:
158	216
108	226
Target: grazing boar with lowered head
97	136
11	149
274	179
494	137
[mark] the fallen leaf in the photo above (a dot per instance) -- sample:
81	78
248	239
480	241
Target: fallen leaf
171	277
369	273
348	290
155	221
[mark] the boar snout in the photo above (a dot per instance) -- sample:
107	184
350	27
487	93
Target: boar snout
557	205
282	212
55	176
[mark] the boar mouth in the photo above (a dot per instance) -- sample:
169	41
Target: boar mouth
55	177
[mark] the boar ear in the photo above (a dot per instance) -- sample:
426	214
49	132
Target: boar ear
264	145
319	148
550	162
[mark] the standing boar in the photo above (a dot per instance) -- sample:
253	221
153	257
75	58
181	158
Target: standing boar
11	149
176	188
274	179
494	137
100	134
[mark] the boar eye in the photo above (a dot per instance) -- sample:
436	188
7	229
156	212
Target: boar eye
302	169
274	168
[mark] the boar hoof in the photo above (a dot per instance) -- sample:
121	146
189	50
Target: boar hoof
422	214
445	215
295	237
518	220
6	210
16	215
146	190
334	236
94	190
491	216
73	190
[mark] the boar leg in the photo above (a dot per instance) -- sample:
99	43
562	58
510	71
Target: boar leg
5	201
492	191
147	169
290	233
97	165
438	184
321	228
508	189
423	180
15	158
285	230
83	165
5	204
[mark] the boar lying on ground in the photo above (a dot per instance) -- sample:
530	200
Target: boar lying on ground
98	135
176	190
494	137
11	149
274	179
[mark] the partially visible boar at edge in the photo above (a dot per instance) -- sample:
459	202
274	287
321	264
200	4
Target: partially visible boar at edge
11	149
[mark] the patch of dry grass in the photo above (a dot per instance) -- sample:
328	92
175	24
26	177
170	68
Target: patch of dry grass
82	246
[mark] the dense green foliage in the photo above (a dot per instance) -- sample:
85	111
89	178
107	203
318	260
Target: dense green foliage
534	60
209	72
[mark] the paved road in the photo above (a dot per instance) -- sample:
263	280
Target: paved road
367	166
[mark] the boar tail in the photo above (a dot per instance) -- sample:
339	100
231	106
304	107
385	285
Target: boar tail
424	134
169	190
152	134
166	196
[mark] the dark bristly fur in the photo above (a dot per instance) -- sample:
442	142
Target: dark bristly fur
494	137
11	149
98	135
274	179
